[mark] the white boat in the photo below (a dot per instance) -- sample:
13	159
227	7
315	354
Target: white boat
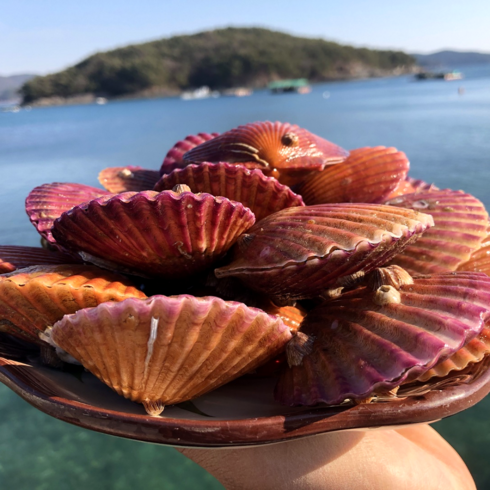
203	92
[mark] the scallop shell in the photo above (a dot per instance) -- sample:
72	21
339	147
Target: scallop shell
299	252
130	178
474	351
368	175
421	185
285	150
34	298
460	227
165	350
362	345
153	234
174	158
480	259
263	195
14	257
48	202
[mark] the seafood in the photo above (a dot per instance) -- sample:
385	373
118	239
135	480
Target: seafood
378	281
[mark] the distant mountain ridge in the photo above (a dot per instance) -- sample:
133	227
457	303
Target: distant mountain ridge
10	85
220	59
451	58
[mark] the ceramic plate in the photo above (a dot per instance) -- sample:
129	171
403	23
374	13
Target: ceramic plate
239	414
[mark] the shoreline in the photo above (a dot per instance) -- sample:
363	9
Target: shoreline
161	92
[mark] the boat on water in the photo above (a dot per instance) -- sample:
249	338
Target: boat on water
297	85
203	92
441	75
237	92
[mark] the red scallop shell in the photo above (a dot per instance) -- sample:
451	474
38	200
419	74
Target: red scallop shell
263	195
299	252
14	257
368	175
130	178
153	234
174	158
48	202
166	350
361	347
460	227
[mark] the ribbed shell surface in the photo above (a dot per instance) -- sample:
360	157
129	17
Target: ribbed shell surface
275	145
480	259
474	351
368	175
174	158
33	299
299	252
460	226
154	234
170	349
48	202
14	257
263	195
130	178
361	347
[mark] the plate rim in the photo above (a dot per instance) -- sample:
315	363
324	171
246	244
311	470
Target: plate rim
431	406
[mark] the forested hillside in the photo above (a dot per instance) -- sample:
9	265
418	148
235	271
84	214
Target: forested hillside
220	59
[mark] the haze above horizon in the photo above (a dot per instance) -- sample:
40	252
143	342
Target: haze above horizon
45	37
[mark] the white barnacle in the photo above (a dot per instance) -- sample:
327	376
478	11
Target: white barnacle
386	295
151	341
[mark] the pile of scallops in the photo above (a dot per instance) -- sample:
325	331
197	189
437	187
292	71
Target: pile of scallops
265	249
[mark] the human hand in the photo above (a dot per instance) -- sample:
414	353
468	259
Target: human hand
415	457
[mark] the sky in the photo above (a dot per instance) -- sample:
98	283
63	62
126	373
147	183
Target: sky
46	36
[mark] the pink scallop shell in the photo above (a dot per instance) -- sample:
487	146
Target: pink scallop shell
153	234
14	257
130	178
263	195
361	347
460	227
48	202
368	175
165	350
174	158
299	252
474	351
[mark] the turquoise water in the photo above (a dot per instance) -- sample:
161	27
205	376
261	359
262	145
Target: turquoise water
445	134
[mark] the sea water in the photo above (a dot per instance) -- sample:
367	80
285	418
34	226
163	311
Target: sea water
443	127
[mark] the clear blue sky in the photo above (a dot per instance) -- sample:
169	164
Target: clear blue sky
43	36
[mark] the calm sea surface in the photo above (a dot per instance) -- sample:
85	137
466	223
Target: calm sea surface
445	134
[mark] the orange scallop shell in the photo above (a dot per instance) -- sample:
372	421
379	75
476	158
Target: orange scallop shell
480	259
34	298
368	175
286	150
474	351
165	350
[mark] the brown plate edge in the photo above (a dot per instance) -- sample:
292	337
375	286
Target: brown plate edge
434	405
